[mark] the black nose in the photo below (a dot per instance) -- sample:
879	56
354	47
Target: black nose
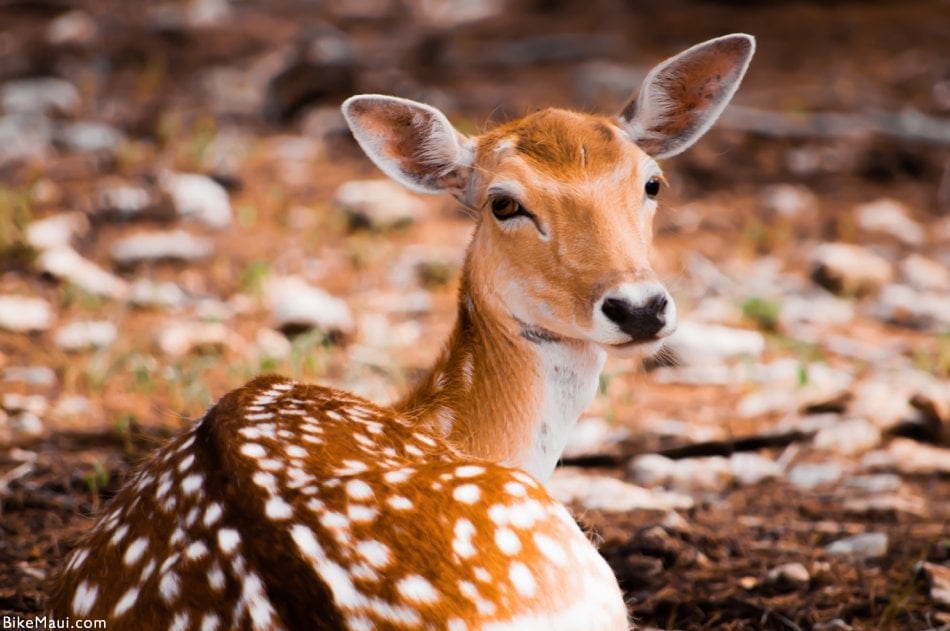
640	323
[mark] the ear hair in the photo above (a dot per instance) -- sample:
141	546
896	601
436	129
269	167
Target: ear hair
684	95
413	143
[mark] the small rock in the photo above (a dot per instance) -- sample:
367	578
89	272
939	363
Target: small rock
181	338
789	201
324	123
90	137
448	14
849	269
321	64
696	344
848	437
410	304
199	197
124	201
870	545
39	376
377	204
676	428
205	13
788	576
39	95
25	424
877	483
72	406
593	436
910	457
24	137
171	245
811	475
73	28
712	473
883	399
925	274
22	314
296	305
80	336
601	82
598	492
145	292
378	332
892	218
56	230
751	468
272	344
33	403
938	581
889	503
815	308
900	304
66	264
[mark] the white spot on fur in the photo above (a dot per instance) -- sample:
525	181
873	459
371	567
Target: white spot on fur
216	577
212	514
126	601
399	475
296	451
135	550
361	514
467	493
469	471
210	622
84	598
522	579
186	463
417	589
228	540
253	450
376	553
197	550
399	502
359	490
192	483
551	549
255	601
119	534
277	509
169	587
507	541
462	543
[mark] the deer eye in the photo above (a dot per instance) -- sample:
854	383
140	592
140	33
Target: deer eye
505	208
652	187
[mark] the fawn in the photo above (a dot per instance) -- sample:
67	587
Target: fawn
297	506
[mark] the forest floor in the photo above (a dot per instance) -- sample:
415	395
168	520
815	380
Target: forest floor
801	418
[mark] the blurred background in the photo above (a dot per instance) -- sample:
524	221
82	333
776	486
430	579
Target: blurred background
182	207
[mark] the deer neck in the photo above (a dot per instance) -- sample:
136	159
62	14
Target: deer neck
503	391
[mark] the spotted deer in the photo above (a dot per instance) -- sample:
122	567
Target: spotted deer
297	506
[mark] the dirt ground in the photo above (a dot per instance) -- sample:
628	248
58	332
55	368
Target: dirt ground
178	85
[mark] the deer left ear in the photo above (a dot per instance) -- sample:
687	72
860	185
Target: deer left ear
413	143
683	96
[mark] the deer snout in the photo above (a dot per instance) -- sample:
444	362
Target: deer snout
635	312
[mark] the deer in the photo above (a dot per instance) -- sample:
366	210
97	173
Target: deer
292	506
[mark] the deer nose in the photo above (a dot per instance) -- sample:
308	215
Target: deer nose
640	322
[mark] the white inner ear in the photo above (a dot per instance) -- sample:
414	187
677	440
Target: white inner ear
437	149
654	108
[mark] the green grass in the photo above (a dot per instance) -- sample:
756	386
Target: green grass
764	313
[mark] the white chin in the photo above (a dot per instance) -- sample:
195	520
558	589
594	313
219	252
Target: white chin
633	349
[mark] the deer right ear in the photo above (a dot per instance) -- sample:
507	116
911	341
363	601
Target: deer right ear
413	143
683	96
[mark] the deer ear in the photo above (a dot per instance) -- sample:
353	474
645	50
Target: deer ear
683	96
413	143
